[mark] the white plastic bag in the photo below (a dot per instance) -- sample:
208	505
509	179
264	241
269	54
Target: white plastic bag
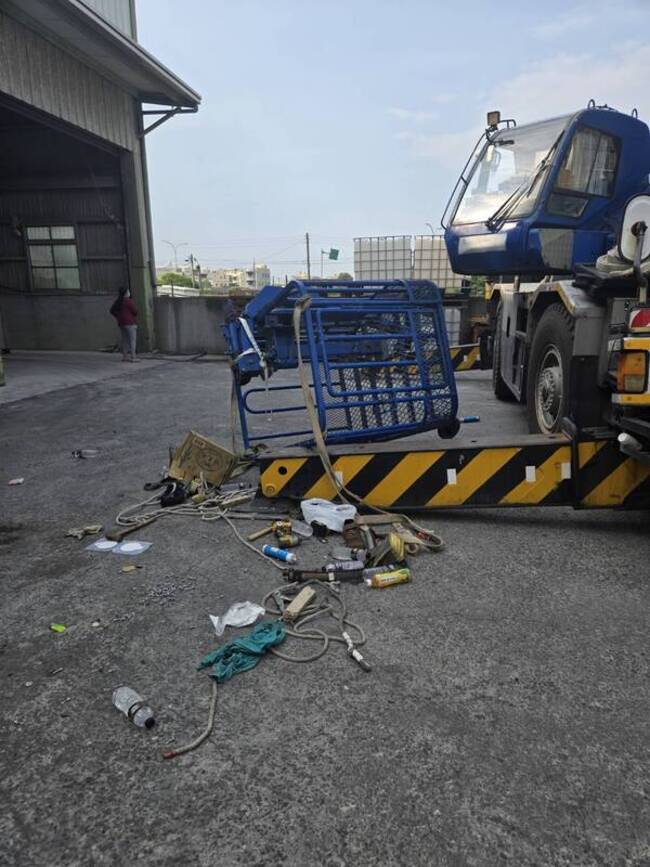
333	515
239	614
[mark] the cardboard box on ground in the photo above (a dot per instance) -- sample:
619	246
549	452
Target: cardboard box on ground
197	456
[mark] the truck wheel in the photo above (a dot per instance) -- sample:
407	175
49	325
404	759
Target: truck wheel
499	386
547	387
485	347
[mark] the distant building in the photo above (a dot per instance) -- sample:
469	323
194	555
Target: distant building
240	278
74	205
258	276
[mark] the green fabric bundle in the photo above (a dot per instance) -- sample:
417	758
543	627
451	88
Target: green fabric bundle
244	653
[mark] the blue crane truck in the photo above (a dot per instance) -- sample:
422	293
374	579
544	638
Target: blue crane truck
555	215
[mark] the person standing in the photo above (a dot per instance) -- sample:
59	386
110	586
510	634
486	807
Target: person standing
126	313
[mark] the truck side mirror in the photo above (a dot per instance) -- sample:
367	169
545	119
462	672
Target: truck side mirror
633	239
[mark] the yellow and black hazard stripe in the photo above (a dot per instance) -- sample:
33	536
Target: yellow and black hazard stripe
466	357
538	471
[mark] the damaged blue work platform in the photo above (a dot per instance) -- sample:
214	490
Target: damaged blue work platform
375	353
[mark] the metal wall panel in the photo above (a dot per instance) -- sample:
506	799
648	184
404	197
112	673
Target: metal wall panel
61	206
116	12
42	75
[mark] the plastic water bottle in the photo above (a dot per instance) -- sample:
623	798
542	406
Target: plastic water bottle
134	707
279	554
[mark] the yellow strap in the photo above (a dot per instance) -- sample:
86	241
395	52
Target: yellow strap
300	307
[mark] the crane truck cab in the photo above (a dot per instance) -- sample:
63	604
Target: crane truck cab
534	209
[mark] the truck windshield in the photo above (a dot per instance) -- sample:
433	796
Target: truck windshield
505	165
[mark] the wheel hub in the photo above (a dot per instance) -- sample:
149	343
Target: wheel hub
550	388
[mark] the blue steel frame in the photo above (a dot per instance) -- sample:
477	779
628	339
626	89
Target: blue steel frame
332	349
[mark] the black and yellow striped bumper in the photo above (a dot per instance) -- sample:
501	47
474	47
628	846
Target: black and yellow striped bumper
528	471
466	357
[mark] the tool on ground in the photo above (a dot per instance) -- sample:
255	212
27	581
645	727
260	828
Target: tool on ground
116	534
280	528
292	540
330	573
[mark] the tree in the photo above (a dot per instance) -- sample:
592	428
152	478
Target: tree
172	278
344	276
477	285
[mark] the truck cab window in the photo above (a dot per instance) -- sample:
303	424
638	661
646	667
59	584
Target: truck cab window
590	164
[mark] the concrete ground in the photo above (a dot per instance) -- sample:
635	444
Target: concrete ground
504	720
29	374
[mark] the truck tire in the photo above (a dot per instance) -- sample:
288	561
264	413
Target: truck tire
499	385
549	369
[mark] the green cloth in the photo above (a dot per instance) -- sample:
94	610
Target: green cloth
244	653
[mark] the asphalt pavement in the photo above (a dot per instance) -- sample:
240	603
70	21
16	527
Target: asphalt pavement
505	720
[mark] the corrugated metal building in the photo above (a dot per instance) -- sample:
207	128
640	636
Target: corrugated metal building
74	210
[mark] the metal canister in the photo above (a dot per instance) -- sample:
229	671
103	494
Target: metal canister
388	579
290	540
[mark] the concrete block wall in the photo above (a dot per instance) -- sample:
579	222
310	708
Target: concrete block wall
65	322
186	326
183	326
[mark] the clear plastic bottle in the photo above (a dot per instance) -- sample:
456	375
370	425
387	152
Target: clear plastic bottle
134	707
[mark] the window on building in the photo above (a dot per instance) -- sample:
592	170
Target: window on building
53	257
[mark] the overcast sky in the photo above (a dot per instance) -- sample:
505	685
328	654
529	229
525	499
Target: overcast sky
354	118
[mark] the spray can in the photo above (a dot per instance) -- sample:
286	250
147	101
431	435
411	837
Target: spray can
388	579
378	570
279	554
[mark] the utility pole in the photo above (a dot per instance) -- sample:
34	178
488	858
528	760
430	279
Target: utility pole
308	256
190	259
175	249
